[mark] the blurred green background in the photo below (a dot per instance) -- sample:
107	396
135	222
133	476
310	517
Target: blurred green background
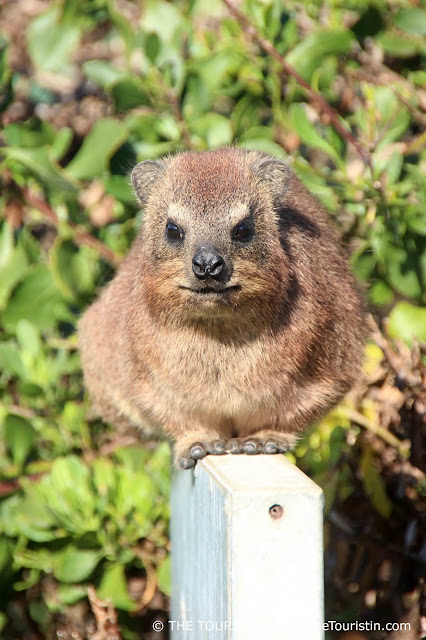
87	89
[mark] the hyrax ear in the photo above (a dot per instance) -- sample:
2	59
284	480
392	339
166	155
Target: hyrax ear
276	175
144	177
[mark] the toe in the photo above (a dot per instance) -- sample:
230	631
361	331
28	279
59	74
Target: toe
217	448
235	446
198	451
271	447
251	448
187	463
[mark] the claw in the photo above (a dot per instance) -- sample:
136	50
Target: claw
271	447
251	448
198	451
187	463
235	446
217	448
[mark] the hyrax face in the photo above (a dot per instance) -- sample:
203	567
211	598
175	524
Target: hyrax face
210	233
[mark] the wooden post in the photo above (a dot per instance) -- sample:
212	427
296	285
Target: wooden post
247	552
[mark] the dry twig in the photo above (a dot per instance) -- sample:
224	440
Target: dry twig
151	578
321	103
82	237
106	618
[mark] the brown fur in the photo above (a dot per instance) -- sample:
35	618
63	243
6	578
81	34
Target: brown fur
270	357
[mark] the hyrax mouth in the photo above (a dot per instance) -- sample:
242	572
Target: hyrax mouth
212	292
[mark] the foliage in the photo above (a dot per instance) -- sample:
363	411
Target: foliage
103	85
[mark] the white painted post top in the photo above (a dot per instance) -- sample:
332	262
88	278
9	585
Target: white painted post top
246	551
257	474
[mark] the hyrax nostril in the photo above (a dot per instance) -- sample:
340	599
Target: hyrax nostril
216	267
207	263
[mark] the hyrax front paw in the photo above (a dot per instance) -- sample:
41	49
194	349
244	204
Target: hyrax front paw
268	443
188	458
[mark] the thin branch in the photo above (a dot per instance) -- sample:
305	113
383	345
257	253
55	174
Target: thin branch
10	486
362	421
416	144
377	73
416	113
106	617
394	358
81	237
151	578
118	443
24	412
321	103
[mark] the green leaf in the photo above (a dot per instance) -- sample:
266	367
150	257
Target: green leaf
19	436
75	565
103	140
71	593
162	18
214	128
164	577
13	264
307	56
134	491
167	127
62	254
374	485
37	300
104	478
113	587
407	322
10	360
390	165
102	73
31	134
393	128
6	244
308	133
28	337
6	552
129	93
412	20
317	185
73	416
152	46
61	142
119	187
398	45
380	294
50	43
329	483
267	146
401	271
27	516
71	482
416	221
39	163
41	559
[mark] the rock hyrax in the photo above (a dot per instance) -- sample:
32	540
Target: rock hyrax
234	322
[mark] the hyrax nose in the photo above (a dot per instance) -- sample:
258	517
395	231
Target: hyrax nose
207	263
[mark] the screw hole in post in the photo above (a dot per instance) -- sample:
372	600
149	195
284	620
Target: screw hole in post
276	512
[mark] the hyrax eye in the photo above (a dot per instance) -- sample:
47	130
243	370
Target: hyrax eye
173	232
243	232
